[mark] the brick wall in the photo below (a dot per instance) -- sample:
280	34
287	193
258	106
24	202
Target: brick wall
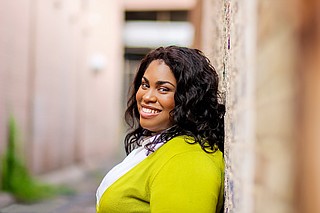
253	44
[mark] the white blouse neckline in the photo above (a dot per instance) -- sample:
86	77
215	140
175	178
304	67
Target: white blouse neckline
133	159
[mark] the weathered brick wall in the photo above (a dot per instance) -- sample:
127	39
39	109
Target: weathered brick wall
239	85
227	39
255	52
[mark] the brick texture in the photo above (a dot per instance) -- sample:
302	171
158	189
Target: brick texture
255	53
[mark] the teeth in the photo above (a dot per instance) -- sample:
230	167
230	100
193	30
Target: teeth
146	110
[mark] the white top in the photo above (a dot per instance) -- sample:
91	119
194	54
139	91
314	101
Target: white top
134	158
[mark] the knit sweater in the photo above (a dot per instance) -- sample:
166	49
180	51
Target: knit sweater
178	177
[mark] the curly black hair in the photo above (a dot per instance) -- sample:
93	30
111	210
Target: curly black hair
197	112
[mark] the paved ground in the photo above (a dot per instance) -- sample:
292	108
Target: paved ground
83	181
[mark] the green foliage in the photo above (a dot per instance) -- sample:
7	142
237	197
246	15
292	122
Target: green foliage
16	179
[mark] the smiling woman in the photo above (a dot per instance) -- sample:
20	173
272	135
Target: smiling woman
175	161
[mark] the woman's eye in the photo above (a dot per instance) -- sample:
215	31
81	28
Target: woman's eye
163	89
144	85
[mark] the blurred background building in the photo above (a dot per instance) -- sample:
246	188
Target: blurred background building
66	67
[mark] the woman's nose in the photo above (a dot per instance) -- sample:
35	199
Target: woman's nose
149	96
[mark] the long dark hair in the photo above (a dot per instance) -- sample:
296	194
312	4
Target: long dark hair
197	111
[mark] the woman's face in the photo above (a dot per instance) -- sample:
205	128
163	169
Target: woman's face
155	97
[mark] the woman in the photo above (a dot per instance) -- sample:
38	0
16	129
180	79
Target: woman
174	162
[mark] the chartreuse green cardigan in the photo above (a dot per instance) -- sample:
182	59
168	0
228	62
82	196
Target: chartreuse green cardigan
178	178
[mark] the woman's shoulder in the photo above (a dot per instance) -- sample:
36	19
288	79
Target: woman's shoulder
180	158
184	143
183	147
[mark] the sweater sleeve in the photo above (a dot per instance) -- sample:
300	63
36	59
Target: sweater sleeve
188	182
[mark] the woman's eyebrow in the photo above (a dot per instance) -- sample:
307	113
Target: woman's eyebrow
158	82
165	82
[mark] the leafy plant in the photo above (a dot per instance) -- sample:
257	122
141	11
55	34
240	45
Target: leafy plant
15	177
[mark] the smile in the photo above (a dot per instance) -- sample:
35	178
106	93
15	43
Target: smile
150	111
